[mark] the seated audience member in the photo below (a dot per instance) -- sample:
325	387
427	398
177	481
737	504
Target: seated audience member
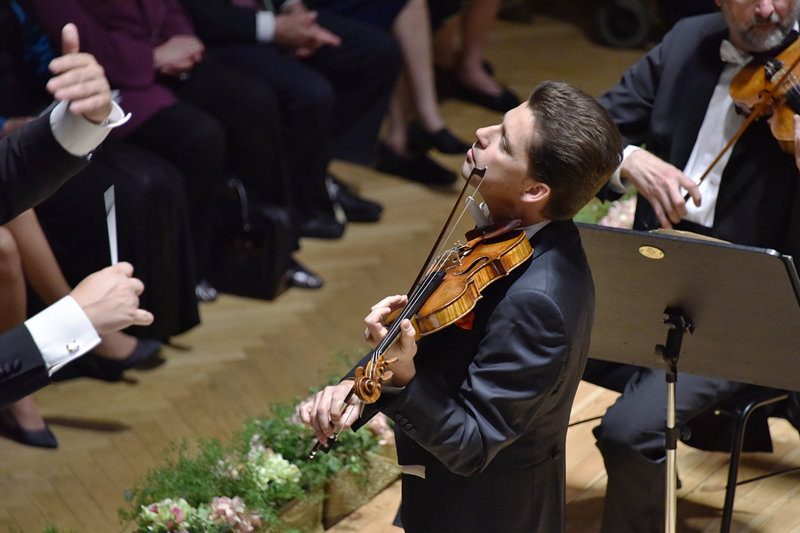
332	76
482	407
34	160
151	214
205	118
415	123
462	30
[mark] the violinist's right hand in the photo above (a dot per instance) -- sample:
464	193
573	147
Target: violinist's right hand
660	183
327	413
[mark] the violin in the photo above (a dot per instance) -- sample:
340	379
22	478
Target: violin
767	88
771	87
449	290
446	290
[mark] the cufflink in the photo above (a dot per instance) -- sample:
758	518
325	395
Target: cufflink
73	347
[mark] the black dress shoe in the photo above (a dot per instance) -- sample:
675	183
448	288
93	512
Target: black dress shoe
321	227
421	140
205	292
422	168
299	276
95	366
356	209
41	438
502	102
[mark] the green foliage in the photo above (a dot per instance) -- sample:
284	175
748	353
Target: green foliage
596	209
266	464
592	212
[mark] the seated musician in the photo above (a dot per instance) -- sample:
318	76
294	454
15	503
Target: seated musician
481	408
677	102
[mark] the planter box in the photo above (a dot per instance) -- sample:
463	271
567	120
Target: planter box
347	491
305	514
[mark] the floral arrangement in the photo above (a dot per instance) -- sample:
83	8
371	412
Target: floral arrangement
617	214
243	487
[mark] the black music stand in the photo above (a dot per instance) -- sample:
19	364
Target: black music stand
737	302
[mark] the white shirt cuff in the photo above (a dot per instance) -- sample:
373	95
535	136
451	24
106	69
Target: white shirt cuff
265	26
62	332
615	182
77	135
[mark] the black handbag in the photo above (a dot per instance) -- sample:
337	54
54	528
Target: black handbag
251	255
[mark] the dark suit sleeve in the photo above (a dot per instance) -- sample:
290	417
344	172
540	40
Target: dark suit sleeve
32	167
630	102
219	22
519	361
22	369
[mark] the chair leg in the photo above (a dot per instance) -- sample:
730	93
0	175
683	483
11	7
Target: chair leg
736	454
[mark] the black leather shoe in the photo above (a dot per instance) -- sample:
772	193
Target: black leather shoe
422	168
420	140
95	366
356	209
205	292
502	102
299	276
41	438
321	227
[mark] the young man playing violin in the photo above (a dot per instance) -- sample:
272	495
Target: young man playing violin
481	408
676	101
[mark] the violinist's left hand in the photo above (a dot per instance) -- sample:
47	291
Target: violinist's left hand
404	348
796	119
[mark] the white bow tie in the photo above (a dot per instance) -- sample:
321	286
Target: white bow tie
730	54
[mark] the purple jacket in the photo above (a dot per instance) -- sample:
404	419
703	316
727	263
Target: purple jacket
122	35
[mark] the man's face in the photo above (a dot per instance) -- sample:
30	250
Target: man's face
758	25
502	150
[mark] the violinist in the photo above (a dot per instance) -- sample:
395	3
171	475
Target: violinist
481	407
677	104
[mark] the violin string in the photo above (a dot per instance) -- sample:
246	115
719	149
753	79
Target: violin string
460	216
416	294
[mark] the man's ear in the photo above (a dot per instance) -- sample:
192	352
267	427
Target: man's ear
536	192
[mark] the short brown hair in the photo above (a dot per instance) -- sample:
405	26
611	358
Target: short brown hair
575	148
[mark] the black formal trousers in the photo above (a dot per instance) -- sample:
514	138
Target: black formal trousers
331	104
194	142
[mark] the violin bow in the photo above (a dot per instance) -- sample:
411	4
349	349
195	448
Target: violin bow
758	110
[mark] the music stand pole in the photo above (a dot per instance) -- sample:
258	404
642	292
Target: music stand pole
678	325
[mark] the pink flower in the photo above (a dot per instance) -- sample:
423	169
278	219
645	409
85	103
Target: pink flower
176	511
620	214
234	513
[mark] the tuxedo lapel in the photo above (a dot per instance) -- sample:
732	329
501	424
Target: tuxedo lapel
692	93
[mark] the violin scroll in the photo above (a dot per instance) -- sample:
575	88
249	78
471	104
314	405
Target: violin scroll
369	379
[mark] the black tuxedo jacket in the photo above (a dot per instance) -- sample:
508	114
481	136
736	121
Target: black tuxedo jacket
661	102
32	167
487	412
